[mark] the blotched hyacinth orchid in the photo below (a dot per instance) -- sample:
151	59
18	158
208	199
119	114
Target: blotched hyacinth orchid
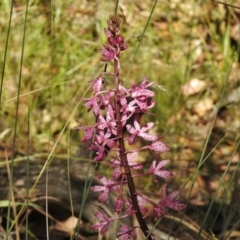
118	111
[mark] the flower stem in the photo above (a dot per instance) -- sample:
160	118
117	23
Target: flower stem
123	158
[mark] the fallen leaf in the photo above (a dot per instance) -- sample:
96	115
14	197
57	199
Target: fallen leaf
203	107
193	86
68	225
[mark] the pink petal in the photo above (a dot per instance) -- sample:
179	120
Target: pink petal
130	129
132	139
164	174
158	212
103	196
88	134
135	165
104	228
116	188
162	163
98	188
148	137
118	205
143	92
117	173
97	84
136	125
143	106
115	162
159	147
153	166
100	156
132	155
148	126
103	179
173	195
177	206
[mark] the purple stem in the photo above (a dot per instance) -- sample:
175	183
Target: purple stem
123	158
